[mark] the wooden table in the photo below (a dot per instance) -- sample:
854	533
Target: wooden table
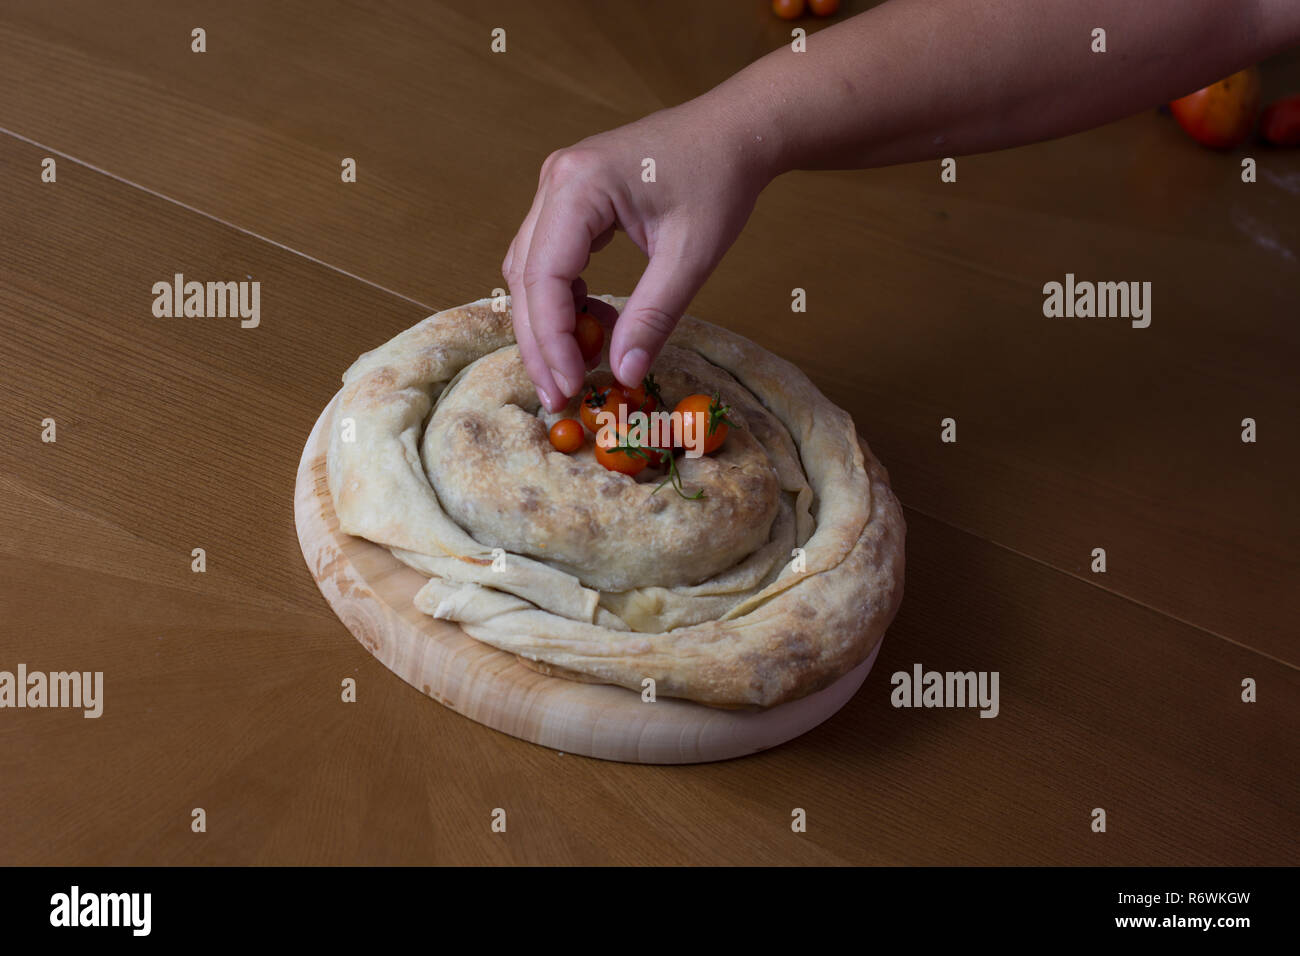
1119	690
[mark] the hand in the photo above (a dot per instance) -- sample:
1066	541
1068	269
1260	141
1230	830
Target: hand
707	179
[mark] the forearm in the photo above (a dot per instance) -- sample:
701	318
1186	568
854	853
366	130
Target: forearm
909	80
920	79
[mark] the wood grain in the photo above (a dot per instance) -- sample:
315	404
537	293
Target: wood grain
373	593
1119	690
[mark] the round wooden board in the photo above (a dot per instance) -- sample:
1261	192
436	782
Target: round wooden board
371	592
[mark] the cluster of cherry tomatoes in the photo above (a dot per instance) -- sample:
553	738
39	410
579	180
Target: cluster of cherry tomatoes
1223	114
615	448
793	9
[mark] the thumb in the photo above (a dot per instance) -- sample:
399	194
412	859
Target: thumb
651	313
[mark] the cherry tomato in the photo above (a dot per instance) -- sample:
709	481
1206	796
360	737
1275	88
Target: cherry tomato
1221	115
788	9
1280	123
644	398
638	399
597	399
615	399
626	463
590	335
566	435
624	403
823	8
710	421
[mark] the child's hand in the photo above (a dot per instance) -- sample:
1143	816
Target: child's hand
706	178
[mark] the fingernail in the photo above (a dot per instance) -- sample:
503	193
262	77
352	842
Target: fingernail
636	362
565	385
545	397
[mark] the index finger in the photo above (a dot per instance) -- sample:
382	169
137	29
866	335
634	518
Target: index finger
557	253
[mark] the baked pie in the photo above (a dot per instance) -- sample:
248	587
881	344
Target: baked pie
747	577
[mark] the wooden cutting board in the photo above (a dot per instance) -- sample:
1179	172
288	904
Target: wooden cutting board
372	593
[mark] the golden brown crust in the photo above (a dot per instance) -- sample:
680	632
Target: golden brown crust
734	622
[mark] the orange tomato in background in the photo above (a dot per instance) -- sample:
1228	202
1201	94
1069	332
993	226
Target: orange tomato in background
788	9
1222	114
823	8
1280	124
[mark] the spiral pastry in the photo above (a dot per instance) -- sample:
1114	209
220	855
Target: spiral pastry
773	573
